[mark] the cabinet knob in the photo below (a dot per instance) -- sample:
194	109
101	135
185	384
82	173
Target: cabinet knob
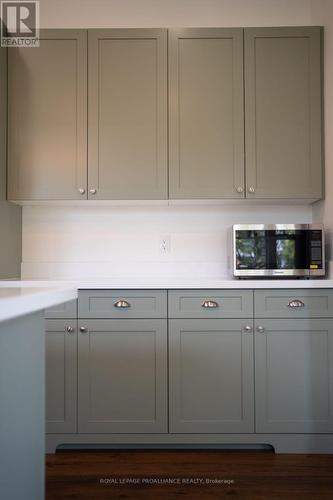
296	303
247	329
123	304
82	190
209	304
69	329
92	191
239	189
260	329
251	189
83	329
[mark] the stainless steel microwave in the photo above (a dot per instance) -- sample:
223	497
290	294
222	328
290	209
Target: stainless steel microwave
278	250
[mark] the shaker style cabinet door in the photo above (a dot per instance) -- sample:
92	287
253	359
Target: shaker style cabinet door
294	377
283	112
206	115
47	118
122	376
211	376
61	375
127	80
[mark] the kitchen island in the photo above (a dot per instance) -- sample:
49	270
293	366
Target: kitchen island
22	387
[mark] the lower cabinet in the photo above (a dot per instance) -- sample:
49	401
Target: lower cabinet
122	385
204	375
61	376
211	376
294	377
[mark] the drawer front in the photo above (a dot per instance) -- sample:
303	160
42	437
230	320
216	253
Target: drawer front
122	304
293	303
210	304
62	311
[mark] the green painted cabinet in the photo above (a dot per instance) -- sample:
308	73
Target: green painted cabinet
61	376
122	376
211	376
47	118
10	215
283	118
294	377
127	126
243	108
206	113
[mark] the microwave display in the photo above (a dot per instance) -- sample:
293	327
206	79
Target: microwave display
279	250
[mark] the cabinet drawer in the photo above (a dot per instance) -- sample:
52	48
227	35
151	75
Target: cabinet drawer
210	304
122	304
293	303
62	311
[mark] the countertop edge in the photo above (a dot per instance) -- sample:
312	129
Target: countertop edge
15	306
170	284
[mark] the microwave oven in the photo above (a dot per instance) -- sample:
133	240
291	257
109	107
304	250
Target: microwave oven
278	250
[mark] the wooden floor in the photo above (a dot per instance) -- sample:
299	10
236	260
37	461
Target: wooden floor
186	474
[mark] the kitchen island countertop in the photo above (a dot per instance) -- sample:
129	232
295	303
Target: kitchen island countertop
19	298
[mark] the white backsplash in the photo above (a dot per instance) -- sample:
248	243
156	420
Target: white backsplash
76	242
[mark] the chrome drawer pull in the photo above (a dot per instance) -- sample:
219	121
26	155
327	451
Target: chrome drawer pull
209	304
122	304
296	303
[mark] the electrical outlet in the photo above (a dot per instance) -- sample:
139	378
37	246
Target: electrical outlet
165	244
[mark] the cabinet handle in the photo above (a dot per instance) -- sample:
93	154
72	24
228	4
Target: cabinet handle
209	304
251	189
239	189
296	303
247	329
82	190
83	329
260	329
69	329
122	303
92	191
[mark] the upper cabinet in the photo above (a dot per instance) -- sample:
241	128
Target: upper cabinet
245	113
206	113
283	112
127	127
47	118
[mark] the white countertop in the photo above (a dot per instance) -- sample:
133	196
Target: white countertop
20	298
165	283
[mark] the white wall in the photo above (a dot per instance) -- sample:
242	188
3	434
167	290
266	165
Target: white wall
75	242
168	13
322	14
97	242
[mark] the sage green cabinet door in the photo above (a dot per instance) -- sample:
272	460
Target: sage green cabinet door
206	115
123	376
294	377
283	112
127	153
211	376
61	376
47	118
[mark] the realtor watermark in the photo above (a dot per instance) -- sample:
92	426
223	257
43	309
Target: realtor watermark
20	23
166	481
